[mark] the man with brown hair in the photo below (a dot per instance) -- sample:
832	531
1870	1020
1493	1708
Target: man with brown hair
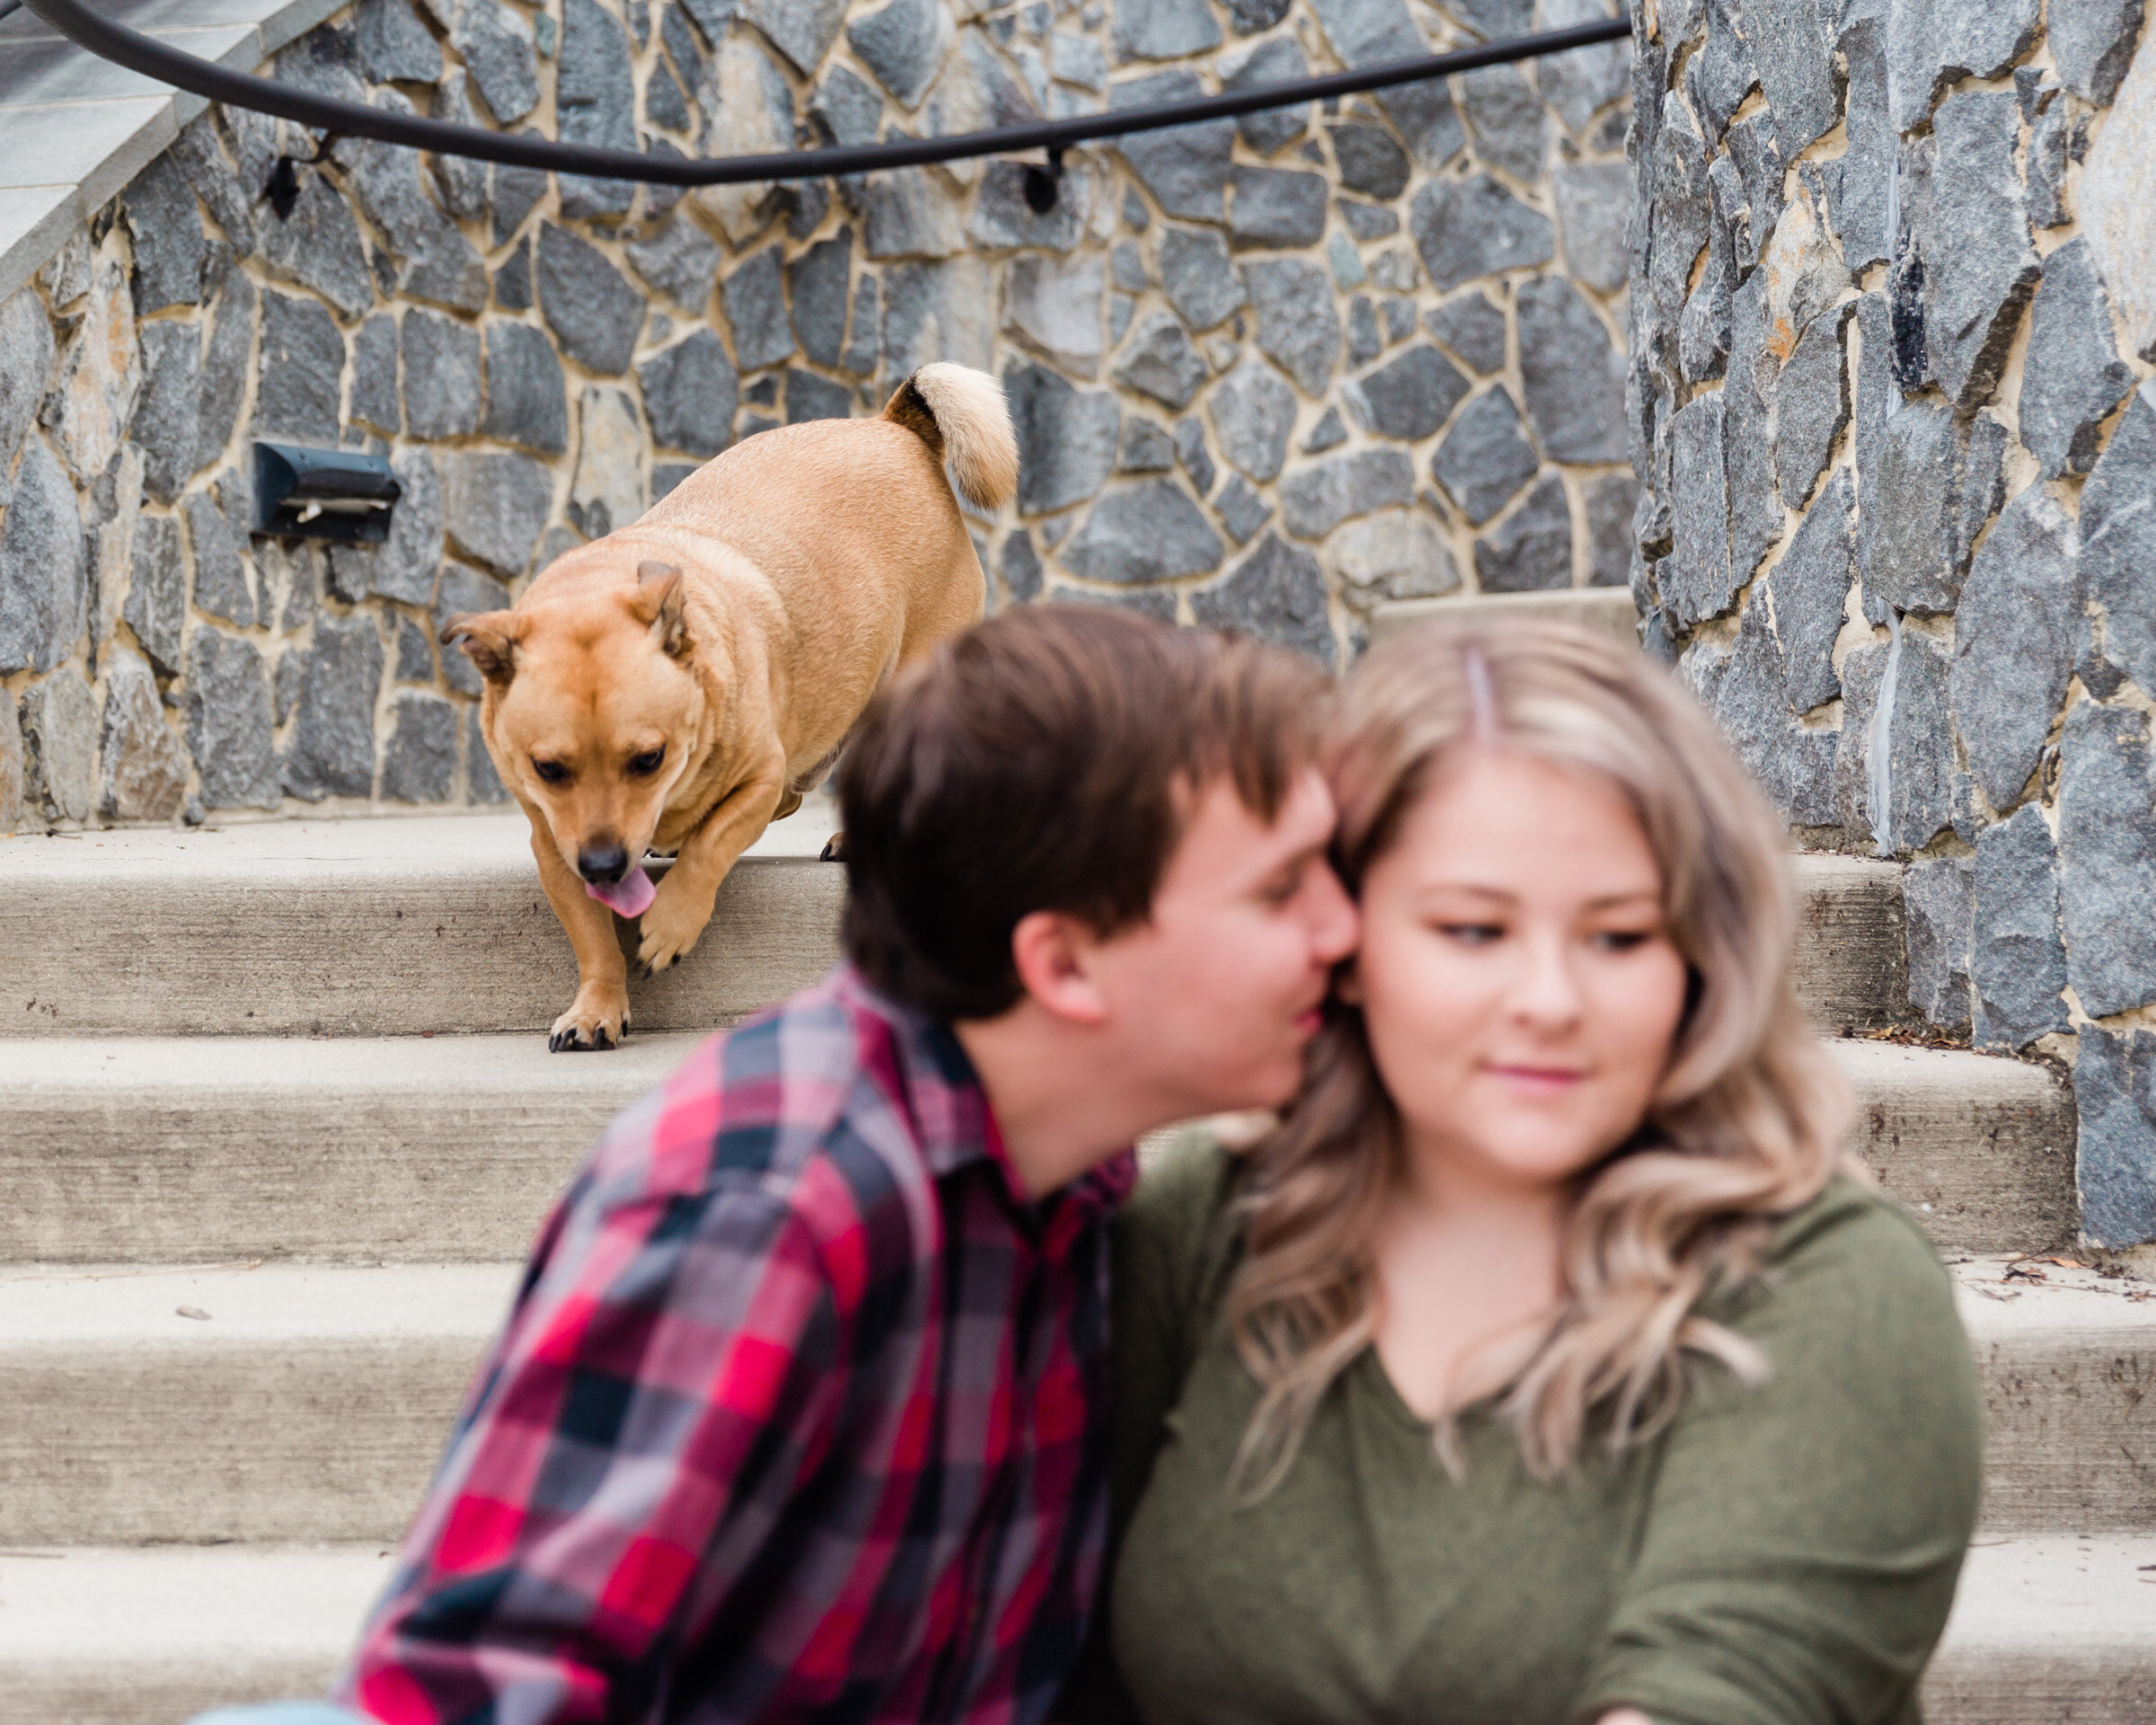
801	1410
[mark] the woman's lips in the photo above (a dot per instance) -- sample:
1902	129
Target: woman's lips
1547	1081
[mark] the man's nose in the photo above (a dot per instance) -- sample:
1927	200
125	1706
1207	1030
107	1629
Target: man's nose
603	863
1337	926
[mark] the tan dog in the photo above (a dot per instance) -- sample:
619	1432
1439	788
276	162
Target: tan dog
677	686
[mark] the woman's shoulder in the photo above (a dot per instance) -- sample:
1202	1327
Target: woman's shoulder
1851	1257
1177	1220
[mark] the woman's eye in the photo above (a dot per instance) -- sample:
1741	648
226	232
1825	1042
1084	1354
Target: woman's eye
645	765
552	771
1623	940
1471	934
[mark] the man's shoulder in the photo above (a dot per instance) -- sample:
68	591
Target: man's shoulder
792	1108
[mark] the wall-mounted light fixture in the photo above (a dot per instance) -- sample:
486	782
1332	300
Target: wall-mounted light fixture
336	494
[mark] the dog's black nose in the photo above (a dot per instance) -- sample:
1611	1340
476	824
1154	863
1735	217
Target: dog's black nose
602	864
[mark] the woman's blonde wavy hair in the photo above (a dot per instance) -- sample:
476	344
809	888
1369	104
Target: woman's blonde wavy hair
1747	1125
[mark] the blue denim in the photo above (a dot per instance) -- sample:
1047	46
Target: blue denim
281	1713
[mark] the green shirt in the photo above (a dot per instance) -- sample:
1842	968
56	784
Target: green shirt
1782	1554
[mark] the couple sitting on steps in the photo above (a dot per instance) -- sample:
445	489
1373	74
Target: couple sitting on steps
1546	1361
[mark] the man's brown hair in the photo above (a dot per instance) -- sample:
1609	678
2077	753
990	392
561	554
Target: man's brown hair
1046	760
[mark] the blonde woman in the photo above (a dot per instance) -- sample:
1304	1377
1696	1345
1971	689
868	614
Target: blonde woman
1550	1362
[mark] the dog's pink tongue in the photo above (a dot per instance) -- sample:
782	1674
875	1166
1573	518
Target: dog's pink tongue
630	897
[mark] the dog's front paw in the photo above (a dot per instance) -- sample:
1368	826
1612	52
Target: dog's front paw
674	923
597	1019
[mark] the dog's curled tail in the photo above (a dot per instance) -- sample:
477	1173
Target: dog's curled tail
960	414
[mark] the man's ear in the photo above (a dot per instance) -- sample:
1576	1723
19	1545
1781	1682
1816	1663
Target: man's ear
489	641
659	602
1052	953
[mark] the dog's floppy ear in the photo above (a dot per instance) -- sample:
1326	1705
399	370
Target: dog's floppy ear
658	601
489	641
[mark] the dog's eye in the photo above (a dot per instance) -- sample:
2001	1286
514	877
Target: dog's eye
644	766
552	771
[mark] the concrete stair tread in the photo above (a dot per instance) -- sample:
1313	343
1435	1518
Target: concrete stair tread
148	1635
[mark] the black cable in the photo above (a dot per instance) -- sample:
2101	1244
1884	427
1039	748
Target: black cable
152	58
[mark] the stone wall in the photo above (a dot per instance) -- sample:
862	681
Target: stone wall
1894	302
1266	373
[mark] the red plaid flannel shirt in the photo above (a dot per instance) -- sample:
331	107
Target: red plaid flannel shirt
799	1413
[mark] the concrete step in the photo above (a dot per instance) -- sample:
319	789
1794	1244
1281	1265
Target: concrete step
312	1402
2047	1630
181	1149
206	1149
361	928
437	923
2042	1630
1981	1147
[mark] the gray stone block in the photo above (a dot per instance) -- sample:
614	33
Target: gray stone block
1126	264
1053	304
1532	547
1017	569
1792	47
325	61
211	178
1913	469
1160	361
2073	376
145	773
1365	222
461	181
496	45
902	44
811	397
156	607
405	565
1242	510
1859	185
442	385
2056	138
691	391
299	388
1744	691
1486	457
465	592
1147	532
60	748
1810	586
1066	438
590	306
1696	580
1980	263
819	281
1145	449
1253	413
228	723
482	783
2107	857
420	764
1679	216
1370	160
2091	44
528	398
1394	555
1939	897
1609	503
1200	281
44	591
2014	640
1573	377
1276	209
910	213
1329	432
415	653
1001	218
1409	397
493	507
395	46
2115	1150
26	362
1760	172
1316	500
331	752
1473	329
10	769
681	263
1164	30
1277	60
1298	323
221	586
1364	342
1185	167
606	488
225	366
2117	564
513	280
317	245
1158	606
1811	406
2017	962
375	401
1591	198
1505	121
666	103
1465	228
167	420
1920	763
1722	73
170	246
801	29
595	103
935	311
1366	32
1755	514
1191	453
847	107
435	260
1276	594
513	193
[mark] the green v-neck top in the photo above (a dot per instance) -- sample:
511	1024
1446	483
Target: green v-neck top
1781	1555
